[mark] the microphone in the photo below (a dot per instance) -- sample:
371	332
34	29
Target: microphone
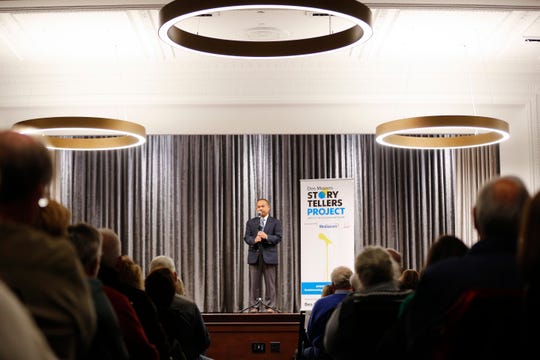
259	214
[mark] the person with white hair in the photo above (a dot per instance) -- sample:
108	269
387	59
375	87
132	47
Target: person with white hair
195	339
322	309
167	262
360	321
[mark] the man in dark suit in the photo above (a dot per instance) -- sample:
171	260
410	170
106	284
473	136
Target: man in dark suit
490	263
263	233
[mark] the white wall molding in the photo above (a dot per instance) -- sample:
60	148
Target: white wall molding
534	138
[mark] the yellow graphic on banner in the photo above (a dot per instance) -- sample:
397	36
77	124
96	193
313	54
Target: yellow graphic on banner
327	242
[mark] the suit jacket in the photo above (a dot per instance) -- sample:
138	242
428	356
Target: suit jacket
267	247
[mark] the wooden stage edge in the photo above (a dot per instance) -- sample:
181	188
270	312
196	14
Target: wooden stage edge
253	335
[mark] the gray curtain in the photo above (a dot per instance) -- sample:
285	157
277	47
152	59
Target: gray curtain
189	196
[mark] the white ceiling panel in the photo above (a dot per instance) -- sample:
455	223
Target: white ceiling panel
57	56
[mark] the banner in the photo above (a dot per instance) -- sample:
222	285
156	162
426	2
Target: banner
327	233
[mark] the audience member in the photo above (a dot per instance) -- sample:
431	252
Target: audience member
54	218
137	343
195	339
111	250
129	272
490	263
180	288
19	334
409	279
160	286
143	306
328	289
355	282
43	272
396	255
359	322
167	262
108	342
322	309
445	247
528	257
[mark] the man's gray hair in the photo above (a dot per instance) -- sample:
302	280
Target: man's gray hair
375	265
341	277
87	242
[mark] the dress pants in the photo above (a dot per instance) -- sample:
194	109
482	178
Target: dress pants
256	273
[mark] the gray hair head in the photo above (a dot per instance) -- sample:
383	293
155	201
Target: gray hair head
341	277
375	265
499	207
162	261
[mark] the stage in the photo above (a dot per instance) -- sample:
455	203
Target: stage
253	335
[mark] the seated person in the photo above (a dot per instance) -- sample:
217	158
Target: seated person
195	338
108	342
322	310
363	317
409	279
19	334
328	289
42	271
160	285
109	273
489	264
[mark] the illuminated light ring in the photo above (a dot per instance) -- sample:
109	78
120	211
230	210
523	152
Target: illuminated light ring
179	10
125	134
393	133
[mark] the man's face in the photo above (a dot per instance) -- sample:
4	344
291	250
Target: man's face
263	208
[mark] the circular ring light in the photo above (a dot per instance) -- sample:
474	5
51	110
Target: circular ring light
472	131
352	10
110	133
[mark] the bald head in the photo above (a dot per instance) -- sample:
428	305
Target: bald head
110	247
499	207
25	171
25	165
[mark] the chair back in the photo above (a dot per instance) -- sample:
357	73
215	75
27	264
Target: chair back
364	320
482	324
303	341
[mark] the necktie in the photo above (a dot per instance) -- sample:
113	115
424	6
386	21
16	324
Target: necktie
262	223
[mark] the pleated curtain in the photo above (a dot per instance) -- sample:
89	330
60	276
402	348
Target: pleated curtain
189	197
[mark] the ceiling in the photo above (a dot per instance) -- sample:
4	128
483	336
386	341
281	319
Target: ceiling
104	58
